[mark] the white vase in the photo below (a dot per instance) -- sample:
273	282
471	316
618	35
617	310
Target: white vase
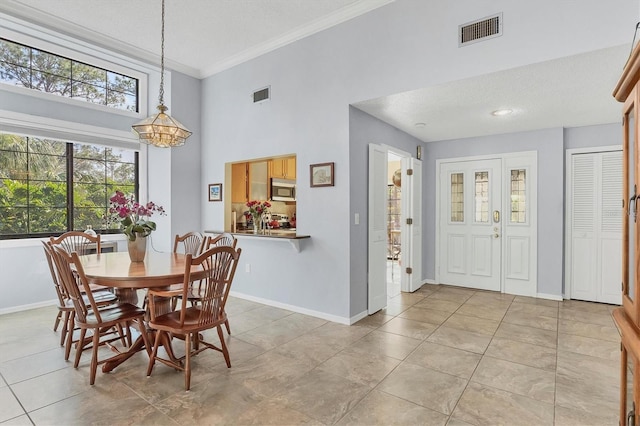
257	221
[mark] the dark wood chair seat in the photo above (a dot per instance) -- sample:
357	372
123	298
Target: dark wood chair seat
66	309
220	265
90	316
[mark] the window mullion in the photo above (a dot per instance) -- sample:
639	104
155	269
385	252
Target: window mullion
69	154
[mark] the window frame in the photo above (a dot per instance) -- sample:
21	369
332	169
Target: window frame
31	69
32	35
70	183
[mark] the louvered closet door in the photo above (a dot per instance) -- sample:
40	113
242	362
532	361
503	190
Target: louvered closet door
596	227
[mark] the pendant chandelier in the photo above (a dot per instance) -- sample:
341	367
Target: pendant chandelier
161	130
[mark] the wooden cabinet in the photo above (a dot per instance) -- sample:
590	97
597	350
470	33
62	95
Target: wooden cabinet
283	168
249	181
239	183
627	318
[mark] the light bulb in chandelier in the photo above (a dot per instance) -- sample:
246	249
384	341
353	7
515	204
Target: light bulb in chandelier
162	130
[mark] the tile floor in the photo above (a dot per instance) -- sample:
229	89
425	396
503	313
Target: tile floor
440	356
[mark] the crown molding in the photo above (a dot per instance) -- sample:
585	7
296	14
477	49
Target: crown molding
335	18
76	31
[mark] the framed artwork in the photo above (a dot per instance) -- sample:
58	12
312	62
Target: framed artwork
215	192
321	174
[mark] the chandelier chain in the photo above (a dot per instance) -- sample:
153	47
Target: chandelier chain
161	94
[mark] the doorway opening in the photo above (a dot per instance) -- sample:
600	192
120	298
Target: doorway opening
394	221
407	230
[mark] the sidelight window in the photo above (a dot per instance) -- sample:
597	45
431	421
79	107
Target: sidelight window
457	197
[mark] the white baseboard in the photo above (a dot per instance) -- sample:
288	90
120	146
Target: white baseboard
354	319
433	282
13	309
549	296
310	312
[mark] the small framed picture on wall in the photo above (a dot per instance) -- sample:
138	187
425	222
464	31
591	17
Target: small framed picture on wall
215	192
321	174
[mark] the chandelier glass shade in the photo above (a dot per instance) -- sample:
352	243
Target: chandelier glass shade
161	130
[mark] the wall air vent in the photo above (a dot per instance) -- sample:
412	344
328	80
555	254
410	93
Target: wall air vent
262	95
480	30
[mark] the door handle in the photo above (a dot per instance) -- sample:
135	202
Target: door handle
633	208
496	216
496	235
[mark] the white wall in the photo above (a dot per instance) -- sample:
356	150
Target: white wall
405	45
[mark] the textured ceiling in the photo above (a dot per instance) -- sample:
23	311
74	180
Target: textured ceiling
568	92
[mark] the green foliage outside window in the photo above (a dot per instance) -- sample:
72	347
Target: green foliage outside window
49	187
46	72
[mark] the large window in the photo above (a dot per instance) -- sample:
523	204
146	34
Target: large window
48	187
36	69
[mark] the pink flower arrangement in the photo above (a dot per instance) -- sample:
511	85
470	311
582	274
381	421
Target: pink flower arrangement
257	209
133	215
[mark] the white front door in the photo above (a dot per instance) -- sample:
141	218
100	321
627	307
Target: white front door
471	224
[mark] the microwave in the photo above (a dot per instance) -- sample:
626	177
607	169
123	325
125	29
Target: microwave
283	189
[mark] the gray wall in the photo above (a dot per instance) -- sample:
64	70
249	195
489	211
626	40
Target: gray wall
187	191
592	136
364	130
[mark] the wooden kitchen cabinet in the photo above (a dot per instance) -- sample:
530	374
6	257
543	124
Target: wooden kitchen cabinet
249	181
627	318
239	183
283	168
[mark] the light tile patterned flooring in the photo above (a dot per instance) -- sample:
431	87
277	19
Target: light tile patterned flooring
439	356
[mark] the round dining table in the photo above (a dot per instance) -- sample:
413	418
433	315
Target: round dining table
158	271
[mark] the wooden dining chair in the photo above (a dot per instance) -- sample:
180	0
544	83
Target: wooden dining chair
224	239
65	305
80	242
190	243
219	264
89	316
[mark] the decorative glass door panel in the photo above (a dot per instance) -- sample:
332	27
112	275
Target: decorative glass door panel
470	238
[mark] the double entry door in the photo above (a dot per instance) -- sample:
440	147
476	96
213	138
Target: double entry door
487	224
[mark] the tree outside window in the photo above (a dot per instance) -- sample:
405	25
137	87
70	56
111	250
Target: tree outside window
48	187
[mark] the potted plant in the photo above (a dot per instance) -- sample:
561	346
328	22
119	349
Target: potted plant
134	218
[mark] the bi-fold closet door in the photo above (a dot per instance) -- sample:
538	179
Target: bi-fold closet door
595	221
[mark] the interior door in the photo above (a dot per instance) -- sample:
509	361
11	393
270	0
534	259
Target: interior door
377	230
596	227
411	243
471	224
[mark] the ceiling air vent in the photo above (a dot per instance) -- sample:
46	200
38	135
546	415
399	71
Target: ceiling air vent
262	95
480	30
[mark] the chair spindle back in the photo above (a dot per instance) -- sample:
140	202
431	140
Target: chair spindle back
76	284
220	265
77	241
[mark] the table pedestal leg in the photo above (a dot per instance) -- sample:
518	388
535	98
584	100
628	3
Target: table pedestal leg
162	305
127	295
